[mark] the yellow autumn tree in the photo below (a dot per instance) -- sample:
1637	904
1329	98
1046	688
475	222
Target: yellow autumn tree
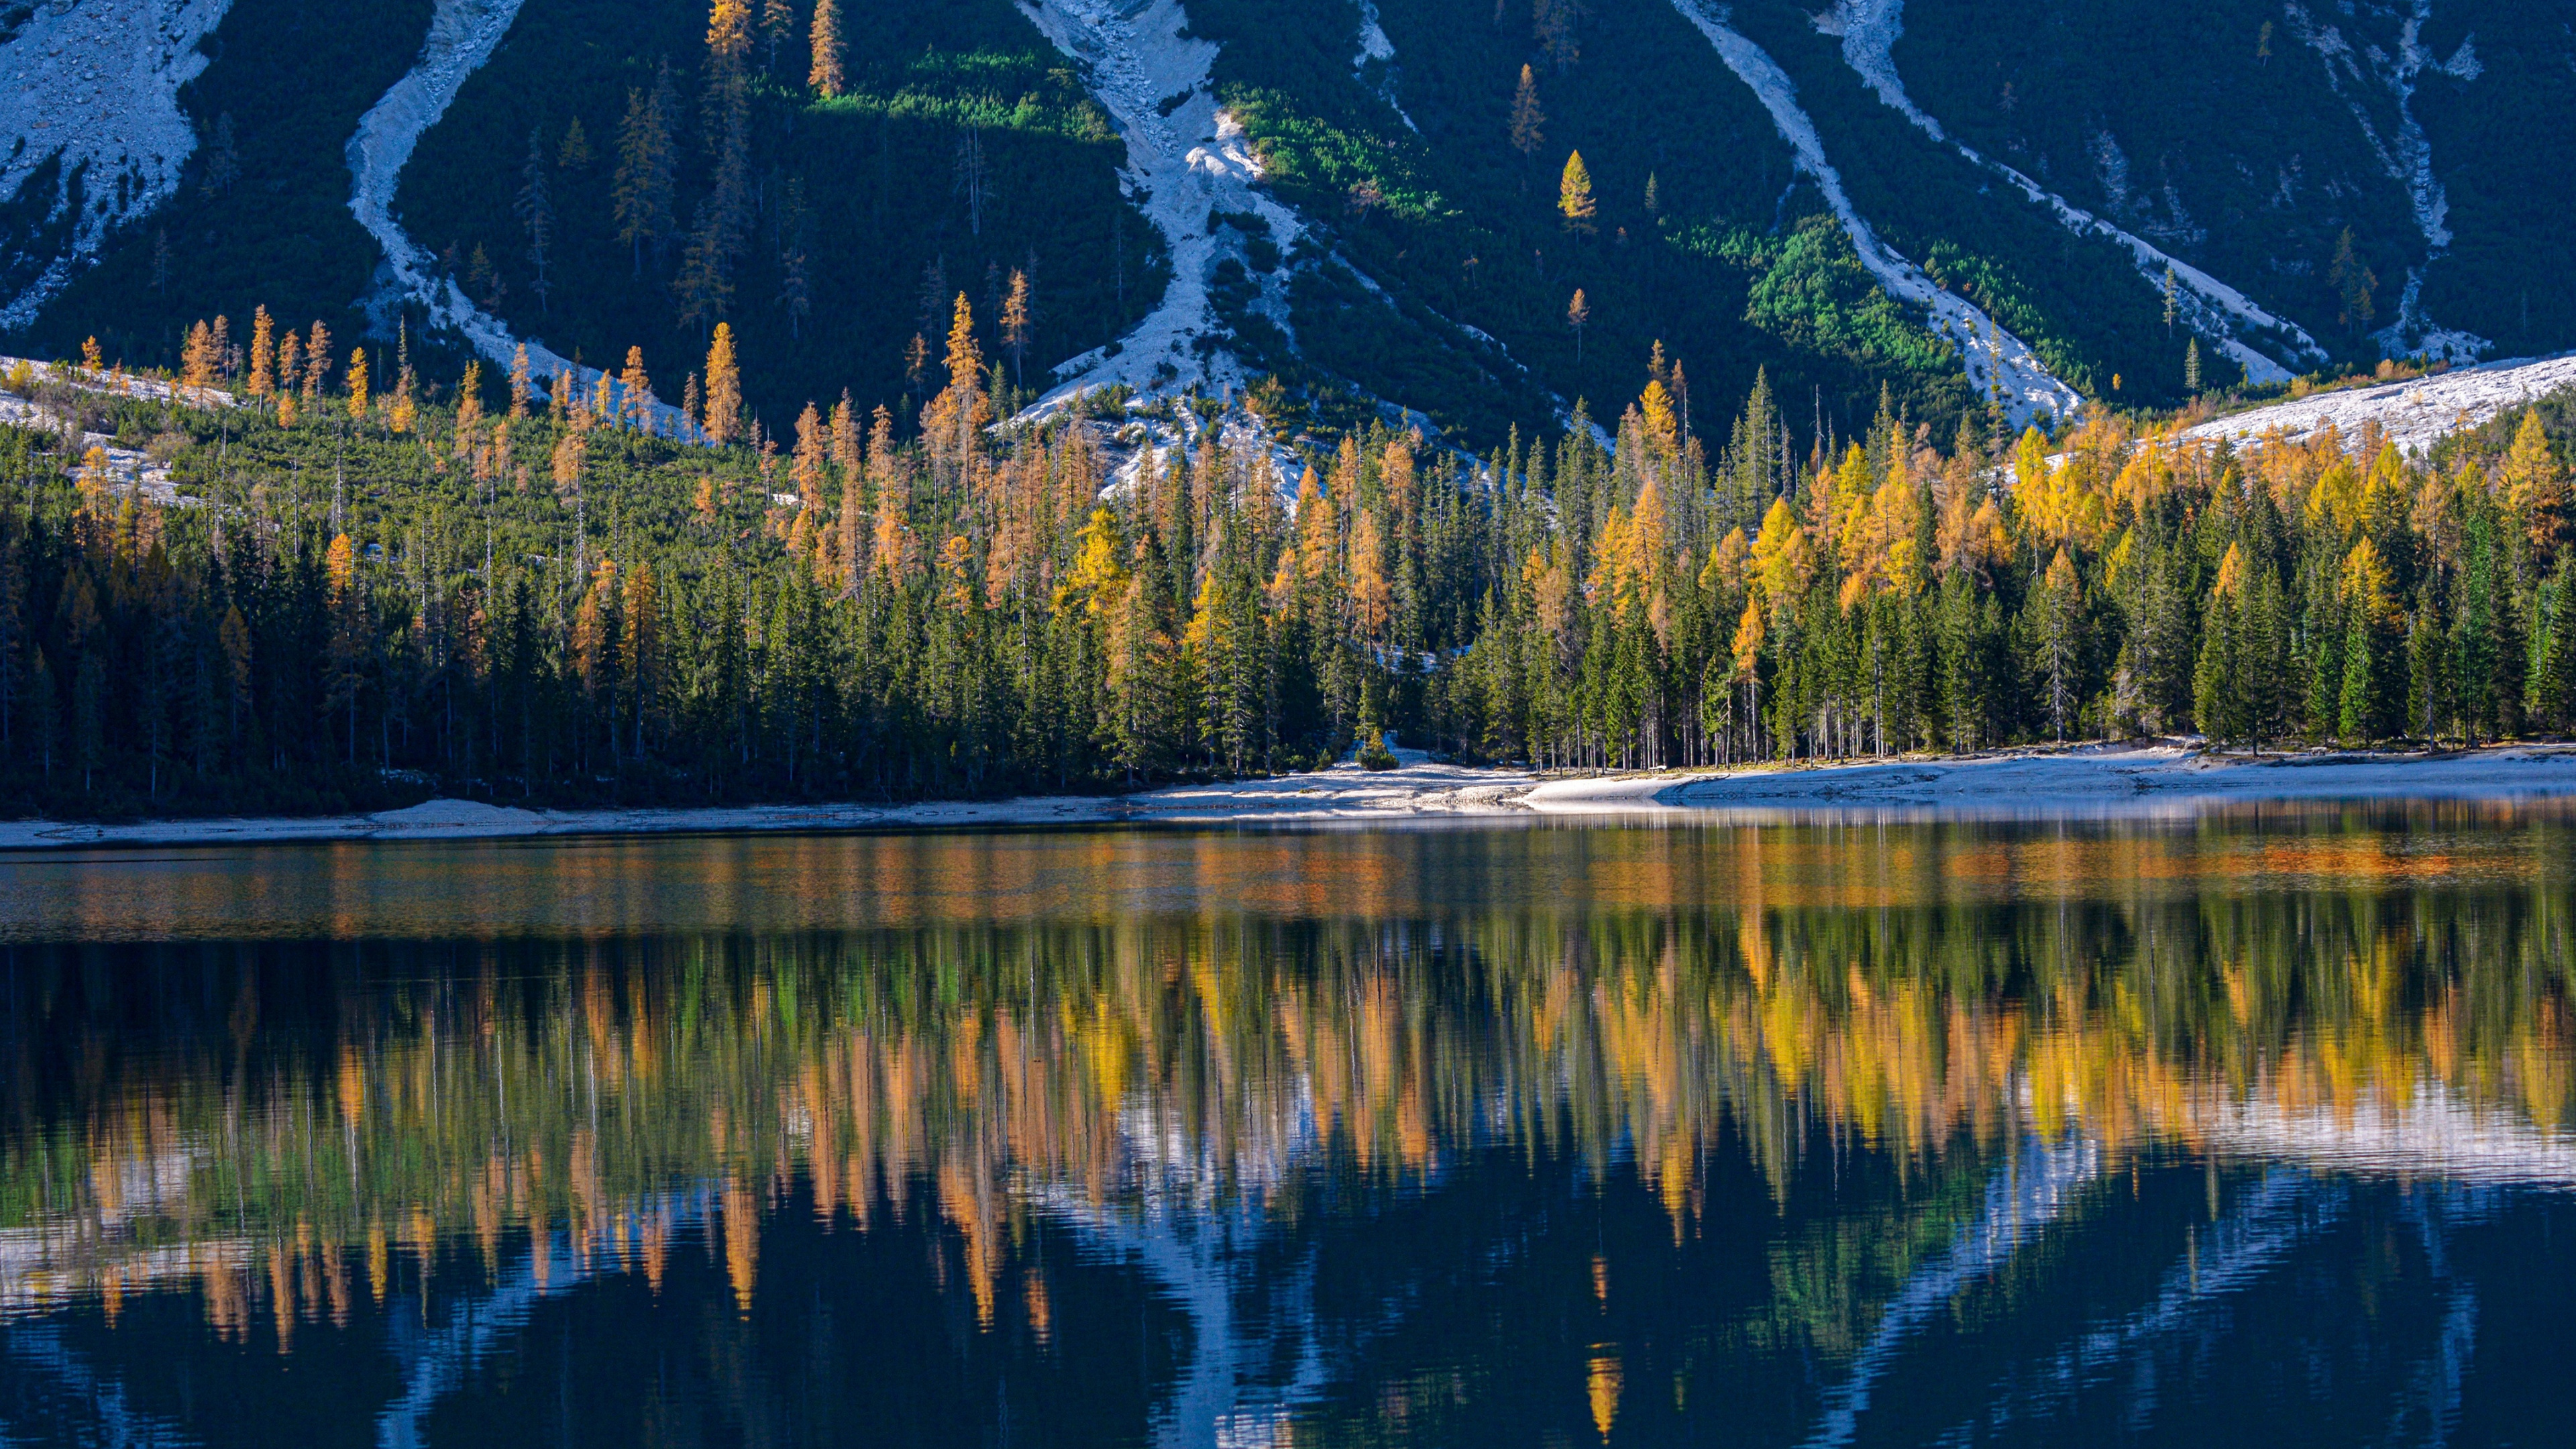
263	353
825	74
723	421
1574	196
636	389
2534	484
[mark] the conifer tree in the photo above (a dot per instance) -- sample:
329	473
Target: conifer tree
1017	324
2353	284
825	76
723	423
1574	196
777	23
2534	484
574	153
263	354
704	287
519	382
535	209
2061	600
1578	315
290	376
647	167
1528	121
196	357
636	390
317	361
358	383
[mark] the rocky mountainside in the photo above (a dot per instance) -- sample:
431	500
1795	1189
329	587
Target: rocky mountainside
1341	208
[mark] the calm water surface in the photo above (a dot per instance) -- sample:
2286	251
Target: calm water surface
2254	1130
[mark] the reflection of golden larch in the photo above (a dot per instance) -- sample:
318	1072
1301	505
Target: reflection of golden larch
657	1248
1600	1280
1033	1292
741	1244
281	1296
379	1261
1601	1383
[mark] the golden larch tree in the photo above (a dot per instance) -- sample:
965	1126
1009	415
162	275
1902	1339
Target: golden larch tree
723	421
1574	196
825	76
263	353
1017	324
637	390
1527	118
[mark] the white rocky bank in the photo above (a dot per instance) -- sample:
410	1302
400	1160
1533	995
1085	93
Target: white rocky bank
2098	782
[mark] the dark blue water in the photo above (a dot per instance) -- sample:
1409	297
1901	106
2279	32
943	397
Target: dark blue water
2253	1130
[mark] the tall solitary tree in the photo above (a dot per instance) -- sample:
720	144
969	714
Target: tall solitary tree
1017	324
536	211
1527	118
724	388
825	77
1574	196
646	166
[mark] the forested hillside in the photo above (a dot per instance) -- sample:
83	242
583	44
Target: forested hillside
1499	205
350	597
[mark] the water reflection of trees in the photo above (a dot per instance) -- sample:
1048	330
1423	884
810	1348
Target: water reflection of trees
289	1126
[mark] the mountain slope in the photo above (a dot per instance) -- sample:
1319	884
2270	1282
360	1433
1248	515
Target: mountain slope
1349	215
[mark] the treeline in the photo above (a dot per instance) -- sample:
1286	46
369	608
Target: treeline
371	597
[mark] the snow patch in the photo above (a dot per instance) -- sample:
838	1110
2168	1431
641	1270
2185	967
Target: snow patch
1181	166
95	84
1996	360
2414	414
462	36
1374	46
1869	30
2407	156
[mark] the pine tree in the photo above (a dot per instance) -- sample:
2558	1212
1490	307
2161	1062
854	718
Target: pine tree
704	287
2060	602
1016	324
2191	367
647	167
2353	284
825	77
2553	683
1528	121
777	23
723	422
535	209
1574	196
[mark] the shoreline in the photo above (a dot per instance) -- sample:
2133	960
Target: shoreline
2085	782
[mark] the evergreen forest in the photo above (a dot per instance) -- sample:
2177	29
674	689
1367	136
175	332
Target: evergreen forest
358	588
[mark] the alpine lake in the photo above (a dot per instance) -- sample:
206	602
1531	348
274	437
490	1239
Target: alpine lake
2246	1128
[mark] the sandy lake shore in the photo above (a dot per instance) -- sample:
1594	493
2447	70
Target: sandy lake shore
2086	782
